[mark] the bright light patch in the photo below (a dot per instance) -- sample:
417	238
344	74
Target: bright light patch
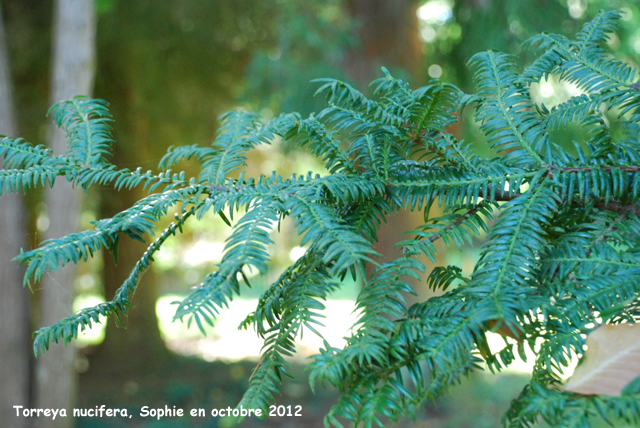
435	71
166	257
203	251
577	8
546	90
296	253
496	343
435	11
43	222
249	272
86	281
225	342
94	335
428	33
552	92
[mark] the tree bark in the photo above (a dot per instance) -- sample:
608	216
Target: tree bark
138	348
389	36
73	59
14	307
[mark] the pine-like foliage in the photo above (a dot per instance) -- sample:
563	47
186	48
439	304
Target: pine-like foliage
562	256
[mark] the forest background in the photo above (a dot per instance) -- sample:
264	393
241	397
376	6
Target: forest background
168	69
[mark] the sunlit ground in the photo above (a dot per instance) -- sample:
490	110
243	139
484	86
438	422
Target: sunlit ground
226	343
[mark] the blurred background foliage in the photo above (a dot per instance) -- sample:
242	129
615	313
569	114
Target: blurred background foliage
169	67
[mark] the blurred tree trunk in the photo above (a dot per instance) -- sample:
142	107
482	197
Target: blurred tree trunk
139	347
73	60
129	352
389	36
14	307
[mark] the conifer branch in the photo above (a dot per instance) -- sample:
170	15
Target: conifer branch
563	253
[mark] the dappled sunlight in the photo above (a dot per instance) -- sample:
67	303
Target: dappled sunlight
225	342
435	11
95	334
497	342
203	251
552	91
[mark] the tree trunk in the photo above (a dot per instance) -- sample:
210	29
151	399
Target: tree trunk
138	348
14	308
73	61
389	36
